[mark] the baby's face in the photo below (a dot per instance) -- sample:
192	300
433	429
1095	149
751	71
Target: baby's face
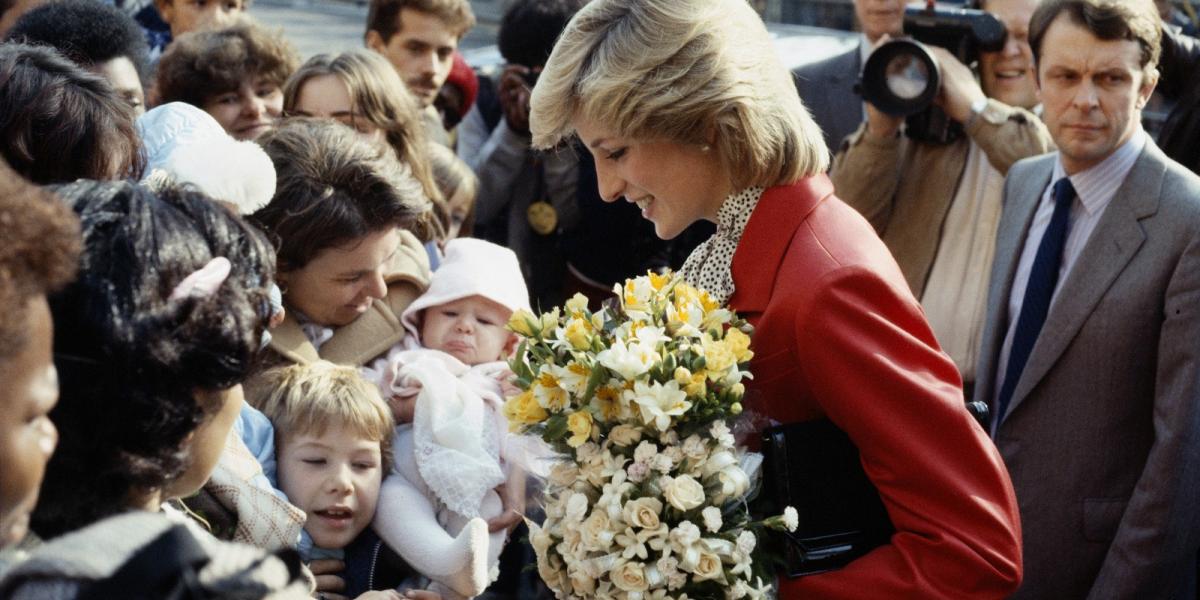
471	329
334	478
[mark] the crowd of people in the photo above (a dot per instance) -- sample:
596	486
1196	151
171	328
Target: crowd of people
255	334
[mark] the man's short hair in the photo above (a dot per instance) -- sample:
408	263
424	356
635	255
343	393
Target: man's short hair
203	64
1133	20
88	32
383	16
530	28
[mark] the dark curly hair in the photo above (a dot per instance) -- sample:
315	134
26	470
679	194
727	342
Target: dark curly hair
131	360
40	249
206	63
333	187
88	32
529	29
59	123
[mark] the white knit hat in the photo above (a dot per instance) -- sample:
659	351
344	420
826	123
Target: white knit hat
184	144
472	268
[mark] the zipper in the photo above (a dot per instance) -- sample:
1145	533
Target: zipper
374	560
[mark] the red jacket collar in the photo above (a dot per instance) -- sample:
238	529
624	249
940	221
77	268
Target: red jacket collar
759	254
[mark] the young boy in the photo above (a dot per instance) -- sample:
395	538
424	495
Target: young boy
333	438
445	385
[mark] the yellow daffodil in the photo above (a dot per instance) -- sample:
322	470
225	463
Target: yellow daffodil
522	322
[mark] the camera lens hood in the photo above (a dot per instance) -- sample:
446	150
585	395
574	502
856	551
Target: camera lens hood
901	78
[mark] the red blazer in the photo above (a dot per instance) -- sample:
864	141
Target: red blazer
838	334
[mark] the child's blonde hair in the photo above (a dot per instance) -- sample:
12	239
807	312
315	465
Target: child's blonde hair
309	398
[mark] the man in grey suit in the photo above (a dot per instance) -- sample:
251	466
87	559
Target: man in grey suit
827	87
1091	352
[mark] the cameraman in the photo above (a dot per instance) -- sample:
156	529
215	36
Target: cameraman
937	206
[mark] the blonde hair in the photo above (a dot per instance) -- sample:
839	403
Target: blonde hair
310	398
381	96
686	71
452	175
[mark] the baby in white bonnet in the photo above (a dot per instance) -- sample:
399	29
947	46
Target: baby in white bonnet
446	384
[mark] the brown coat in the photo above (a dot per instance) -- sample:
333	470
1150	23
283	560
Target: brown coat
905	188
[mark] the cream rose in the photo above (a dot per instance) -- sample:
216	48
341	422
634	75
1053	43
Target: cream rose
684	493
596	530
564	474
708	567
643	512
712	519
630	576
624	435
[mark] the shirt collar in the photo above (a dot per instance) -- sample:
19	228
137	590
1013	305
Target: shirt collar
735	212
1097	185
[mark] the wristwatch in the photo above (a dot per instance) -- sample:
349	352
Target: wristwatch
977	108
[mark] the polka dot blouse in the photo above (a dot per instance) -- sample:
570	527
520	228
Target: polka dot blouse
708	267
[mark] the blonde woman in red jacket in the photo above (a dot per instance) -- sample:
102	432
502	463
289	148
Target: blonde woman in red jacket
690	116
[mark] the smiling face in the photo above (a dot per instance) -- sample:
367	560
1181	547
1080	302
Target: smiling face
1008	75
327	97
334	478
341	282
249	111
189	15
421	50
674	184
1092	92
471	329
27	436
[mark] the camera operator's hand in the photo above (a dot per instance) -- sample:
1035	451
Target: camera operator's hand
880	124
514	97
959	88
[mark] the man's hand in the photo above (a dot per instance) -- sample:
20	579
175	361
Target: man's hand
328	574
959	88
514	97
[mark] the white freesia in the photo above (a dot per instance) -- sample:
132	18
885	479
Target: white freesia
628	360
577	507
791	519
658	403
651	336
712	518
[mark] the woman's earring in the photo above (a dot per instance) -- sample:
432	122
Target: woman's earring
705	148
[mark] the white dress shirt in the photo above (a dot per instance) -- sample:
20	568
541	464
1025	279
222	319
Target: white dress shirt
1095	188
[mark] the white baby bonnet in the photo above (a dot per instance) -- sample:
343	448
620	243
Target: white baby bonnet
471	268
184	144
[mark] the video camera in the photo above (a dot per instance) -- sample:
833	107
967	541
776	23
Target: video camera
901	77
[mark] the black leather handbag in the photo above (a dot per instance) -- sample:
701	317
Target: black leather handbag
814	467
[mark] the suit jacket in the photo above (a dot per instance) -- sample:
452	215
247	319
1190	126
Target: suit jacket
826	88
839	335
1101	433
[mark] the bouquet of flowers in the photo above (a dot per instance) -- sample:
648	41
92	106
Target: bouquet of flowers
649	501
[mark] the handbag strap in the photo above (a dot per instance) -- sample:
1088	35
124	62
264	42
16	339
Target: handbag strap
166	568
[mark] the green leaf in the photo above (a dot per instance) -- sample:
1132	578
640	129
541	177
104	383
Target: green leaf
556	428
598	376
